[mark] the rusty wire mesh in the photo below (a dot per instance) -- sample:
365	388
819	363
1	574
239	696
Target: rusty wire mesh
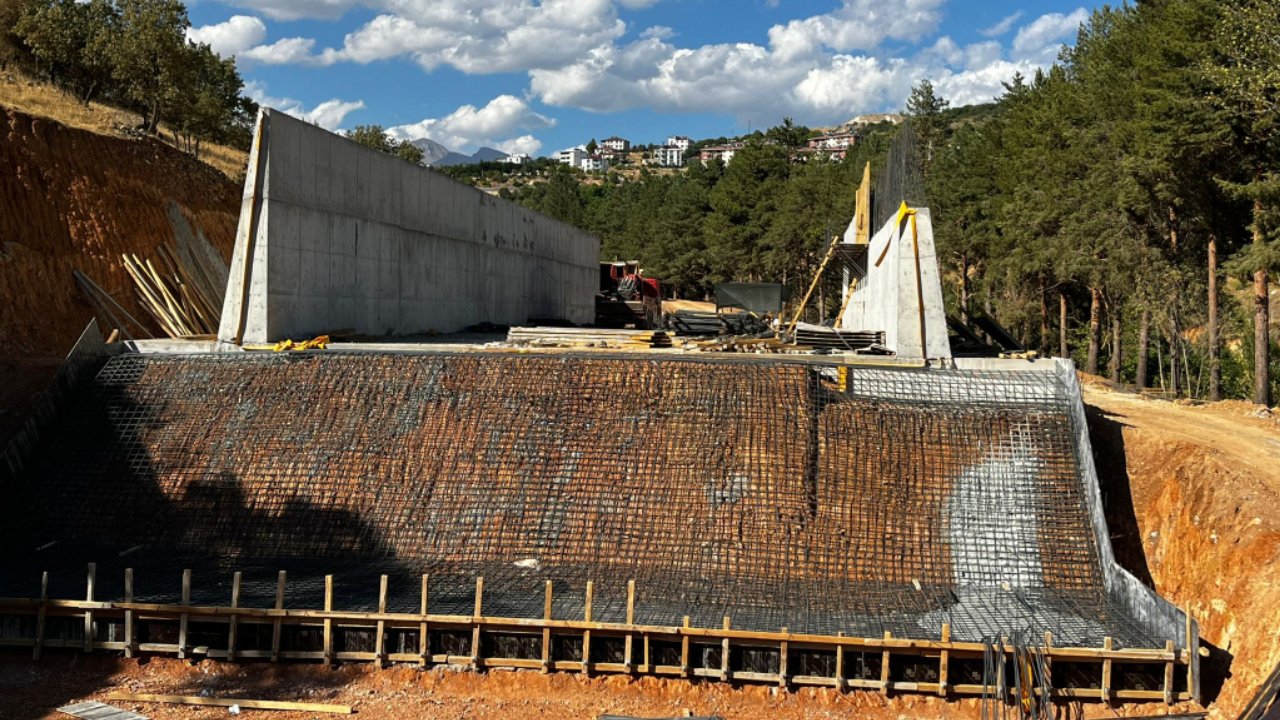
766	492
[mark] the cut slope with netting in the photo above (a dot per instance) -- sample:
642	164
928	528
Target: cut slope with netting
779	494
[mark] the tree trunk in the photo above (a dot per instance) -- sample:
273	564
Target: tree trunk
1117	344
1215	359
1095	330
1063	350
1044	319
1261	322
1144	342
964	289
1175	345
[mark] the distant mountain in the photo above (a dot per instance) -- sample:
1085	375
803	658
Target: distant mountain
863	120
433	153
487	154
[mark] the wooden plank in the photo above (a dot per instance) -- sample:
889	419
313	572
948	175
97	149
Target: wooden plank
1106	671
328	624
276	625
647	666
88	614
1168	675
128	614
884	666
783	652
586	634
684	650
1192	644
424	638
380	644
943	661
475	631
627	649
724	653
546	631
37	644
841	684
234	622
184	618
244	703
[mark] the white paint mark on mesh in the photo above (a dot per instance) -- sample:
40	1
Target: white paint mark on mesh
991	517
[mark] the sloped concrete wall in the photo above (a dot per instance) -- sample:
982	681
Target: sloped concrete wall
333	236
886	296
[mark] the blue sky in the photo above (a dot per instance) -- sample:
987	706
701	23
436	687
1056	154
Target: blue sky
540	75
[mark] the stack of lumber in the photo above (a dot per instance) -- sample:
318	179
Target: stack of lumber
181	304
818	336
588	337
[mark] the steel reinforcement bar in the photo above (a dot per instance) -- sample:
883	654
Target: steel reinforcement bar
676	651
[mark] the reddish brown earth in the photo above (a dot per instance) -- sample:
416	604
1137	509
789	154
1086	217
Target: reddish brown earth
30	690
1204	483
73	199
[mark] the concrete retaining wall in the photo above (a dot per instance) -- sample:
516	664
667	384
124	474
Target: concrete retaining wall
888	292
333	236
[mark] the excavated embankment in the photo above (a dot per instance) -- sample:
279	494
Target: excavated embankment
75	200
1203	484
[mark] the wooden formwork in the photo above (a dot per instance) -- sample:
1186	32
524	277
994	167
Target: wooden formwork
633	645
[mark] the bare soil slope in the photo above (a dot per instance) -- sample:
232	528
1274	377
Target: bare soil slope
72	199
1204	483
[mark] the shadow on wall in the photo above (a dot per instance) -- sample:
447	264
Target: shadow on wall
115	514
1107	437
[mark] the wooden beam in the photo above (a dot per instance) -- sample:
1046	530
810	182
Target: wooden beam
546	631
684	650
244	703
424	637
37	644
943	661
88	614
841	683
184	618
586	634
1106	672
328	624
724	653
783	652
884	666
276	628
233	624
379	643
128	614
628	657
1168	675
475	630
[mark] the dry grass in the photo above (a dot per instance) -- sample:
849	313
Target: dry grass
35	98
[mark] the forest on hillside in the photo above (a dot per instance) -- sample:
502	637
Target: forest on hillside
1119	208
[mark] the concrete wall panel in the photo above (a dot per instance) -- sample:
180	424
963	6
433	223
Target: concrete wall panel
347	237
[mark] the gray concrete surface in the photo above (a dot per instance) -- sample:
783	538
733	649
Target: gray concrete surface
337	236
886	296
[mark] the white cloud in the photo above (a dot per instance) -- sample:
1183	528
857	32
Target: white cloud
1002	27
856	25
820	69
298	9
1040	39
329	114
493	125
285	51
231	37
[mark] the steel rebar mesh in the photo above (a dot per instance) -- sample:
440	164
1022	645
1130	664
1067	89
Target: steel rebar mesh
760	491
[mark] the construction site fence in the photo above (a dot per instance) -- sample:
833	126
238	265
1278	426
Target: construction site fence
885	664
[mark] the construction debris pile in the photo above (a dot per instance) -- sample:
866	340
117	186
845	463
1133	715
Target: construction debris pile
856	501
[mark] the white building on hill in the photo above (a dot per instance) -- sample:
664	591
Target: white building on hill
679	141
572	157
667	156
